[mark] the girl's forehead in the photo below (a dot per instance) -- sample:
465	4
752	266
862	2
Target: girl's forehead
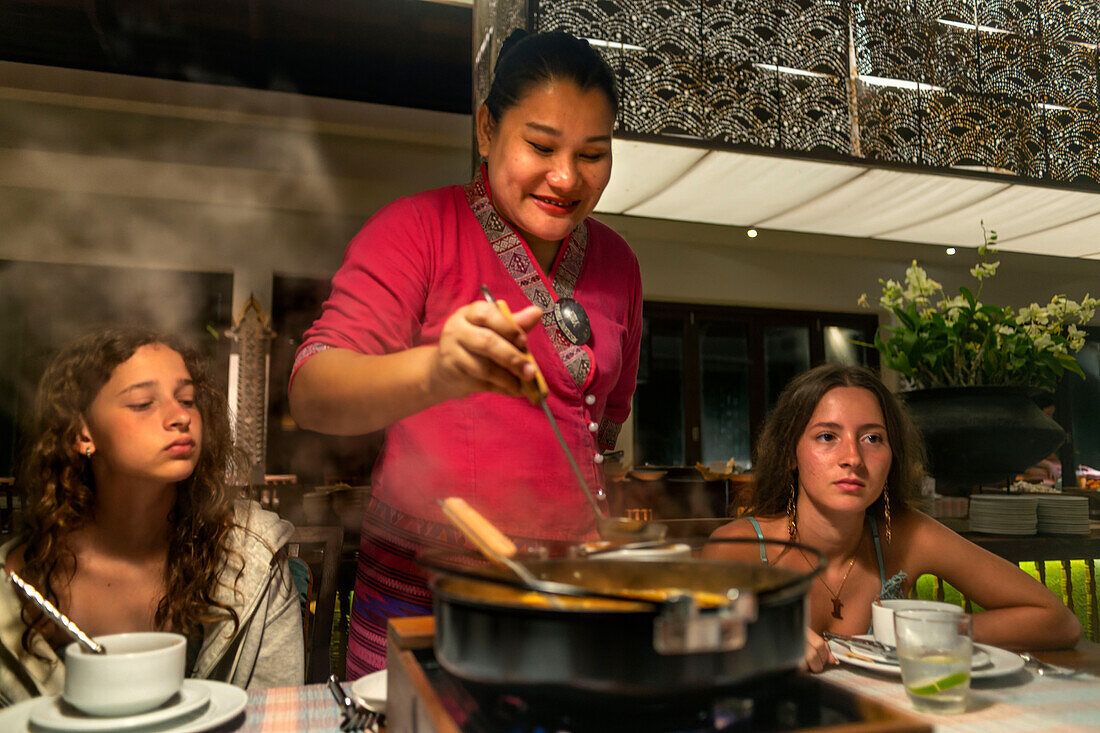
850	402
151	362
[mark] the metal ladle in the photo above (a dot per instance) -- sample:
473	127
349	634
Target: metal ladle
492	543
621	529
55	615
497	548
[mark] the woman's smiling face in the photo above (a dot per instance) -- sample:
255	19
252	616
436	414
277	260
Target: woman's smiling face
549	158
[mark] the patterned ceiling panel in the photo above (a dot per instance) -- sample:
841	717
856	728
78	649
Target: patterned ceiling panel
1068	21
1007	87
1019	17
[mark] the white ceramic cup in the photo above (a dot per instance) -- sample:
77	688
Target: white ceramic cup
882	615
139	672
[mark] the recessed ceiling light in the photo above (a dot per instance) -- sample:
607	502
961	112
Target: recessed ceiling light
950	250
751	234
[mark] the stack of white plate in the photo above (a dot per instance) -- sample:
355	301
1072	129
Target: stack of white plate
1003	514
1064	514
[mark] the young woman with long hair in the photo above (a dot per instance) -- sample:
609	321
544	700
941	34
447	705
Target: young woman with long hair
835	469
130	522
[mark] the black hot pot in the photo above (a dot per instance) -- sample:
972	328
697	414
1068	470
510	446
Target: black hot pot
498	637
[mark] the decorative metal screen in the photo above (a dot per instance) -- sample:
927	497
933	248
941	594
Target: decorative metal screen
1003	86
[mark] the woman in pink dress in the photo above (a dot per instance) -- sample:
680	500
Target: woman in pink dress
406	342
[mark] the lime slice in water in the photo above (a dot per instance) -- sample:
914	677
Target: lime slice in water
931	688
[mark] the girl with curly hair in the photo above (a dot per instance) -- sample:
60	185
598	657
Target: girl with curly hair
130	523
835	468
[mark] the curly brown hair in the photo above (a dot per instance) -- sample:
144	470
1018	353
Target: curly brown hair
60	488
773	477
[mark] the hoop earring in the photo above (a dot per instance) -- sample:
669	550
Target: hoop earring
886	498
792	513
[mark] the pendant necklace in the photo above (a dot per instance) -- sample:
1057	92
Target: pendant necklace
572	321
837	603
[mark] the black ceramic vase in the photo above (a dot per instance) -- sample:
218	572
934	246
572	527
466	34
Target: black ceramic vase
977	435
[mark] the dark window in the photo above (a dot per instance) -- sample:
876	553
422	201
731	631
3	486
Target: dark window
1078	411
709	374
313	457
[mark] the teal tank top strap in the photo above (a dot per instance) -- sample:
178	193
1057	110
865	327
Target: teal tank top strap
891	588
878	552
759	536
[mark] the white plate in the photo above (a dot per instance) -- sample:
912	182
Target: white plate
53	713
1002	662
371	690
226	702
979	660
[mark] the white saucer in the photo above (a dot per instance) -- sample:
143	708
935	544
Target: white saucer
1001	662
225	702
55	714
371	690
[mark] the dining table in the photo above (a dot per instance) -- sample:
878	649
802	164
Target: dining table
1024	701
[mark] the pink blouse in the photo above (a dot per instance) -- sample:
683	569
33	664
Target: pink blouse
409	268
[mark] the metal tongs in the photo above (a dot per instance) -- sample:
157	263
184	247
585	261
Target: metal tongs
609	528
356	716
53	614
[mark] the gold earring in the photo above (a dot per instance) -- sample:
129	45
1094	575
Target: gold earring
792	514
886	498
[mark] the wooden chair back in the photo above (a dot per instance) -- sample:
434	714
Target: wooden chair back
319	547
1084	605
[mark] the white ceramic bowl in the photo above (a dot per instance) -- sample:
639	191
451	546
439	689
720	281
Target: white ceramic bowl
882	615
139	672
677	551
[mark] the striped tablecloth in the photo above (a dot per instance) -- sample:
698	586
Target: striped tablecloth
288	710
1017	702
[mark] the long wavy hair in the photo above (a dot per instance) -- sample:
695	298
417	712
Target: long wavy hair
61	493
775	454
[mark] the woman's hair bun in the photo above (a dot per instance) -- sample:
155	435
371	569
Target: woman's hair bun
510	42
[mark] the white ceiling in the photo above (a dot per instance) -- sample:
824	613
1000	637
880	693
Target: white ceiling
719	187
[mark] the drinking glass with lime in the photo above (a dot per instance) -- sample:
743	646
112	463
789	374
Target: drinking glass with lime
934	651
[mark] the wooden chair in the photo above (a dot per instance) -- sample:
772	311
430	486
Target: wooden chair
319	547
7	505
1085	607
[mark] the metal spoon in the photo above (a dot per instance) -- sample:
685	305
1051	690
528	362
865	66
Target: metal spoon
1046	669
609	528
55	615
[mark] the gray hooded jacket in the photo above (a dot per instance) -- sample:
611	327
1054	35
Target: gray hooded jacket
265	651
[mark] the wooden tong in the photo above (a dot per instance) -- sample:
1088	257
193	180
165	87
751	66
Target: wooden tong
537	389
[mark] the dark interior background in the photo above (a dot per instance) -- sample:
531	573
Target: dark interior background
407	53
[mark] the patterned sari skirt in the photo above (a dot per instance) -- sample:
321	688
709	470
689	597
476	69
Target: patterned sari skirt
389	582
